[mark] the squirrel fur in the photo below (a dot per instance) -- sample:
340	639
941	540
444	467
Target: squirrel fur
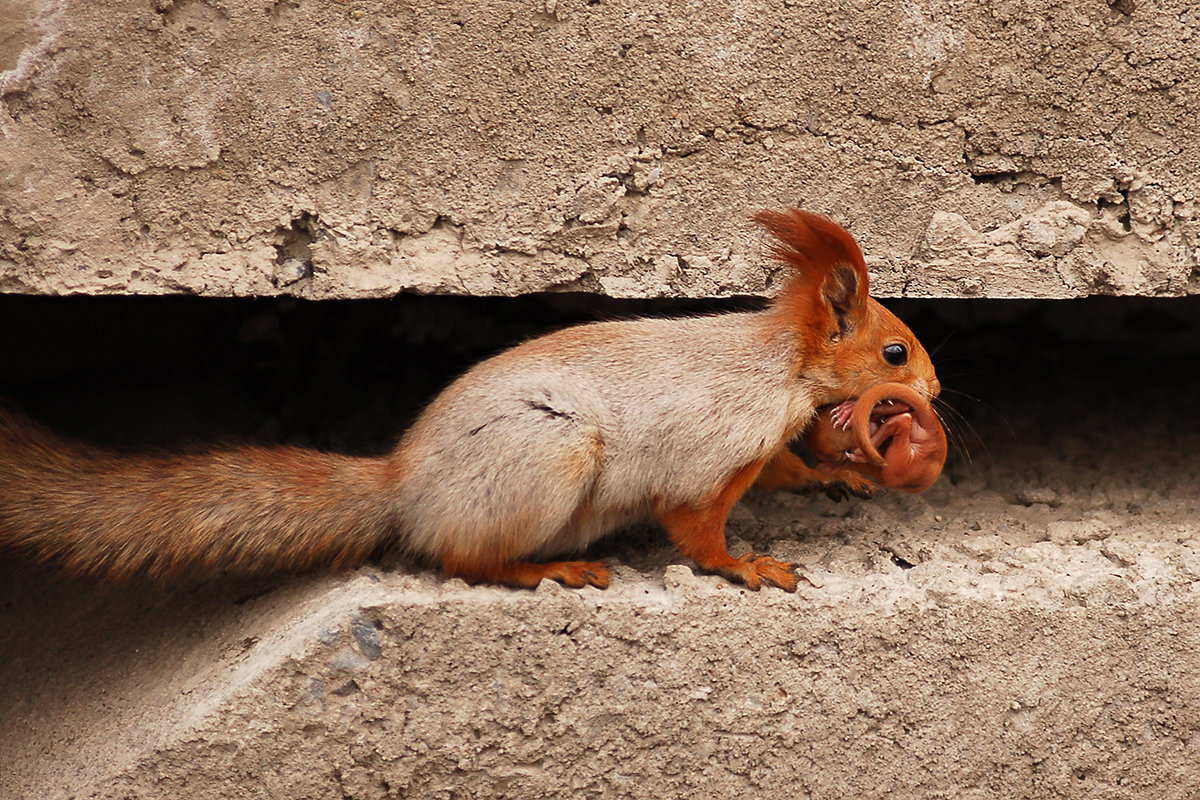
533	453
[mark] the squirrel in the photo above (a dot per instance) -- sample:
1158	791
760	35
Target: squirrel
535	452
892	413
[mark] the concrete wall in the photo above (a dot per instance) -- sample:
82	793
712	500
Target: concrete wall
356	148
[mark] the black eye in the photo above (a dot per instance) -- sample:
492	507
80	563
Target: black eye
895	354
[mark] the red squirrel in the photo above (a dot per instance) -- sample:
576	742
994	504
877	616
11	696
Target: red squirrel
852	432
535	452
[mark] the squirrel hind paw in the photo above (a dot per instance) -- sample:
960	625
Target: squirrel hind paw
527	575
578	574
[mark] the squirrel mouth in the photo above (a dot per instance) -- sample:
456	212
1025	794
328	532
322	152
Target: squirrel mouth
889	433
883	411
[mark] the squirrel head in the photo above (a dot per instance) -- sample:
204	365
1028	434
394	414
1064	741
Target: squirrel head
848	342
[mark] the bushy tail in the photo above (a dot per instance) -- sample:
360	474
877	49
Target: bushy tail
241	510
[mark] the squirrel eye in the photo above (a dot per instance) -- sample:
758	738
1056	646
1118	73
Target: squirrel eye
895	354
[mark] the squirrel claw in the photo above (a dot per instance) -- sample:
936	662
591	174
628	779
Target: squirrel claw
845	483
523	574
754	570
842	414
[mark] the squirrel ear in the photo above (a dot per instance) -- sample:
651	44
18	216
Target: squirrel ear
828	270
841	291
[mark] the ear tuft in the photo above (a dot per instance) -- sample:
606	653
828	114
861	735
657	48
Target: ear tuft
829	276
810	243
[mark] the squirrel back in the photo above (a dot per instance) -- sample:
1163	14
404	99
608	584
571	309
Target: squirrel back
592	426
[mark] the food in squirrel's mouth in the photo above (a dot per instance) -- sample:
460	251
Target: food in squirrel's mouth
842	415
890	434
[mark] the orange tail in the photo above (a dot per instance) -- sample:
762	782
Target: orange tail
240	510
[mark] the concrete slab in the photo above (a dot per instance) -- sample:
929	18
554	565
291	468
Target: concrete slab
361	148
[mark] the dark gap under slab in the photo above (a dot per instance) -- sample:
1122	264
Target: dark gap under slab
351	374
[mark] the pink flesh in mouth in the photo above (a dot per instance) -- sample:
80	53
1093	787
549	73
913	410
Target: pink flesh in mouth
882	410
890	434
887	408
880	414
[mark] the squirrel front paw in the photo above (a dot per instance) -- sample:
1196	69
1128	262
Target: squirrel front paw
844	483
754	570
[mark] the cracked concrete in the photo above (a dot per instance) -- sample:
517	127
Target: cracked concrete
999	150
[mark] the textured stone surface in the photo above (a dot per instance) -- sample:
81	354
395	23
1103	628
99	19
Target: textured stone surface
349	149
1062	669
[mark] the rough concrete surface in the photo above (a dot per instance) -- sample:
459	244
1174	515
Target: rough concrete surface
1028	628
1006	636
358	148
